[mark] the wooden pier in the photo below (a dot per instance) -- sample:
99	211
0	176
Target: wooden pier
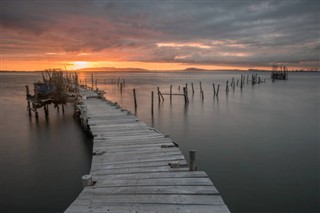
135	168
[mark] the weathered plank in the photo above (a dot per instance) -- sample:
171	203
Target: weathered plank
131	168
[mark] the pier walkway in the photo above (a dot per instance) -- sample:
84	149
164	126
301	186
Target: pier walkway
131	167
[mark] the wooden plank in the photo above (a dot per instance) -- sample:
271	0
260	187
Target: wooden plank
155	175
132	172
150	199
184	190
148	208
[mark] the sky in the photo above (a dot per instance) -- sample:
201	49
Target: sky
159	34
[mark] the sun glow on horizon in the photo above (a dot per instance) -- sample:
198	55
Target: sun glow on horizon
76	65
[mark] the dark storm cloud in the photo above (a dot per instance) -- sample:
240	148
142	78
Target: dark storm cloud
236	32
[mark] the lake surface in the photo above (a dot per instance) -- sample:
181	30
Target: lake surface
259	145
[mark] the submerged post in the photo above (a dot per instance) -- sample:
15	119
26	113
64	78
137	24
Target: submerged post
135	98
192	158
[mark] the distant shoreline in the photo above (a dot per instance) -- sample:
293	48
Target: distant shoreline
150	71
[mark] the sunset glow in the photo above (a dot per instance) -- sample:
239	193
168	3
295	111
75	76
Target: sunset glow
138	35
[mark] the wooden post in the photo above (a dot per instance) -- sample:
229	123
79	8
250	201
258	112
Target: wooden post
92	81
214	89
86	180
96	83
135	98
121	88
27	96
170	92
192	88
218	90
200	88
227	87
152	103
192	158
179	87
46	111
158	94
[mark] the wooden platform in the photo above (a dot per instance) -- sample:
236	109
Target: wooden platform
131	168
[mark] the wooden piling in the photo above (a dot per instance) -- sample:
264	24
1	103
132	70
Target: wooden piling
27	96
152	103
214	89
218	90
135	98
192	160
227	87
170	92
200	88
121	88
158	91
92	83
185	94
192	88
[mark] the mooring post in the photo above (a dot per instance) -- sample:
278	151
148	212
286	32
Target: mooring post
27	96
192	88
227	87
192	158
218	90
121	88
184	95
214	89
92	83
86	180
200	88
171	92
152	103
135	98
158	94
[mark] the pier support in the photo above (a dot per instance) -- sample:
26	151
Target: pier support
192	158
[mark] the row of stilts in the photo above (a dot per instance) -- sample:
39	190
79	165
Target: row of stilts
249	79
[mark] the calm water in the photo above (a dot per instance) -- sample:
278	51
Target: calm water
260	146
41	161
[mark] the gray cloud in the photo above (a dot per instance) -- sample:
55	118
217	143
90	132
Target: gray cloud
238	32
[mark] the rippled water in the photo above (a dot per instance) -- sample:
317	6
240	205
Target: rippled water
259	145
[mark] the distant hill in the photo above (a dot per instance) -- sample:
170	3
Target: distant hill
112	69
192	69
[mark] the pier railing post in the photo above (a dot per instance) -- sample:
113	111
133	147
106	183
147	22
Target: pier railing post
192	158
